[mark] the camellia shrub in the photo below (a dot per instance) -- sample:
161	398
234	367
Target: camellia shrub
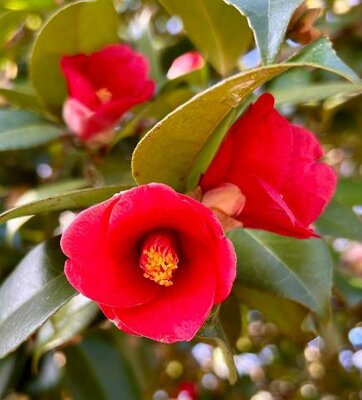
181	200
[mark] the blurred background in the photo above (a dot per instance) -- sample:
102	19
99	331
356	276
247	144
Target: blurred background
79	355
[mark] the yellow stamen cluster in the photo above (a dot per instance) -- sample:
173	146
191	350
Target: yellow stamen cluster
159	265
104	95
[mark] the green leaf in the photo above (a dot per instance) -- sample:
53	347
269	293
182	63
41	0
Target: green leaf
205	157
216	29
287	315
80	27
31	294
183	133
230	318
23	100
71	200
33	5
46	190
340	221
42	192
67	322
23	130
349	191
269	21
298	94
10	22
350	287
294	269
96	370
320	54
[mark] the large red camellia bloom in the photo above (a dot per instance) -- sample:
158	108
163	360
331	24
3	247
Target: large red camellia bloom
277	167
154	260
102	86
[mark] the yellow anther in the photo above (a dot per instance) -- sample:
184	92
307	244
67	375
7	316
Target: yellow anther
159	259
104	95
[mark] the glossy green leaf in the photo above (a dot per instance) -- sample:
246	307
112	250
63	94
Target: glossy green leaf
205	157
269	20
67	322
183	133
42	192
80	27
23	130
216	29
339	220
46	190
299	94
298	270
31	294
287	315
320	54
72	200
96	370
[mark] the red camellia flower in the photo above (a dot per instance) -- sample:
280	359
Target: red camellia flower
277	167
154	260
102	86
184	64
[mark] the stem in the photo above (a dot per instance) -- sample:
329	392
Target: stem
214	330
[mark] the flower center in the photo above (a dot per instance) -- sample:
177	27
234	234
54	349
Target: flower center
104	95
159	258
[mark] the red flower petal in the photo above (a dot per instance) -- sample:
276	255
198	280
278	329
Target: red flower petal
126	71
181	309
92	270
310	184
154	207
266	209
108	82
276	166
262	143
109	313
111	268
79	87
223	256
182	217
108	114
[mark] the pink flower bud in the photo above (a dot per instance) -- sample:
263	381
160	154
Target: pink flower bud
184	64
